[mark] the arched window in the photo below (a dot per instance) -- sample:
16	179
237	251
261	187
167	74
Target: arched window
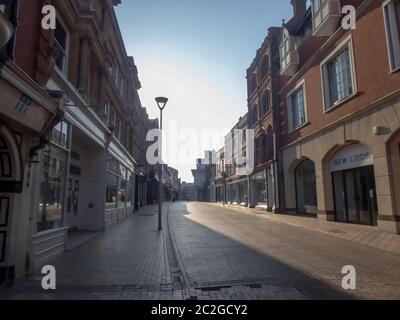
306	187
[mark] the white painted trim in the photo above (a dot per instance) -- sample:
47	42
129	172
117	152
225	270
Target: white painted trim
391	67
348	41
302	83
67	47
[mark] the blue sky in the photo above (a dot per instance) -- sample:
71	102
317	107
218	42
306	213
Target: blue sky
196	53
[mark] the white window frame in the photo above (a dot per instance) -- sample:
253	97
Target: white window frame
347	42
300	85
64	70
284	44
388	40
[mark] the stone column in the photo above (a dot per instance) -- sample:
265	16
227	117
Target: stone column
326	208
387	173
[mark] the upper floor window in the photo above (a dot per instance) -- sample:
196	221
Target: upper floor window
264	66
61	43
297	108
337	76
253	83
289	56
392	21
284	46
253	115
326	15
265	103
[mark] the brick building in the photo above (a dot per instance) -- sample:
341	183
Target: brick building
263	105
72	129
340	103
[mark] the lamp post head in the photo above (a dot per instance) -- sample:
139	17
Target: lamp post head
161	102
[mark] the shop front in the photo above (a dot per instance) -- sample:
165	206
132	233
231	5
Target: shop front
238	191
120	190
353	178
259	182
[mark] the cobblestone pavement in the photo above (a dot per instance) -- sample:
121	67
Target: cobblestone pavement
209	252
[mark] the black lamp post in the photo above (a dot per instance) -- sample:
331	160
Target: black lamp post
161	102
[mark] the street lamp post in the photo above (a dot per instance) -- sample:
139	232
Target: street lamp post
161	102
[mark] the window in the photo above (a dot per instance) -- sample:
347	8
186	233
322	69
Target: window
252	83
264	66
119	185
297	109
337	75
49	214
265	103
60	134
253	115
317	5
392	21
60	42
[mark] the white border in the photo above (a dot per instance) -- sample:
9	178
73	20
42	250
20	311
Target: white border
348	41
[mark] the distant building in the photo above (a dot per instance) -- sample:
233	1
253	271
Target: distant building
187	192
202	177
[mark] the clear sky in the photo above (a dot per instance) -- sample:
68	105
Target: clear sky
196	53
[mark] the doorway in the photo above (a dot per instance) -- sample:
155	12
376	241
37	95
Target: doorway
355	196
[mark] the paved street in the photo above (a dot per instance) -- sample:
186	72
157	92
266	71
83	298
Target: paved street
210	252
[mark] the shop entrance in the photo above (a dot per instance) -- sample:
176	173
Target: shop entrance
355	196
354	185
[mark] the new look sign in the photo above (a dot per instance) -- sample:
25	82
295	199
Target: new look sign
350	157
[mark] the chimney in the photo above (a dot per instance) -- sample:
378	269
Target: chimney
299	8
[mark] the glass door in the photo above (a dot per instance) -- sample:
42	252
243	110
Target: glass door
355	196
352	197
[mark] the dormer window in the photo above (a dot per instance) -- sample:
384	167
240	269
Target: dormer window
326	16
288	54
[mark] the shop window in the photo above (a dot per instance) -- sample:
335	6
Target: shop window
337	76
111	190
306	187
119	185
297	108
52	186
392	21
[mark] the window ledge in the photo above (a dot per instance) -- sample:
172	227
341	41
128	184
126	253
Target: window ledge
396	70
341	102
299	127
